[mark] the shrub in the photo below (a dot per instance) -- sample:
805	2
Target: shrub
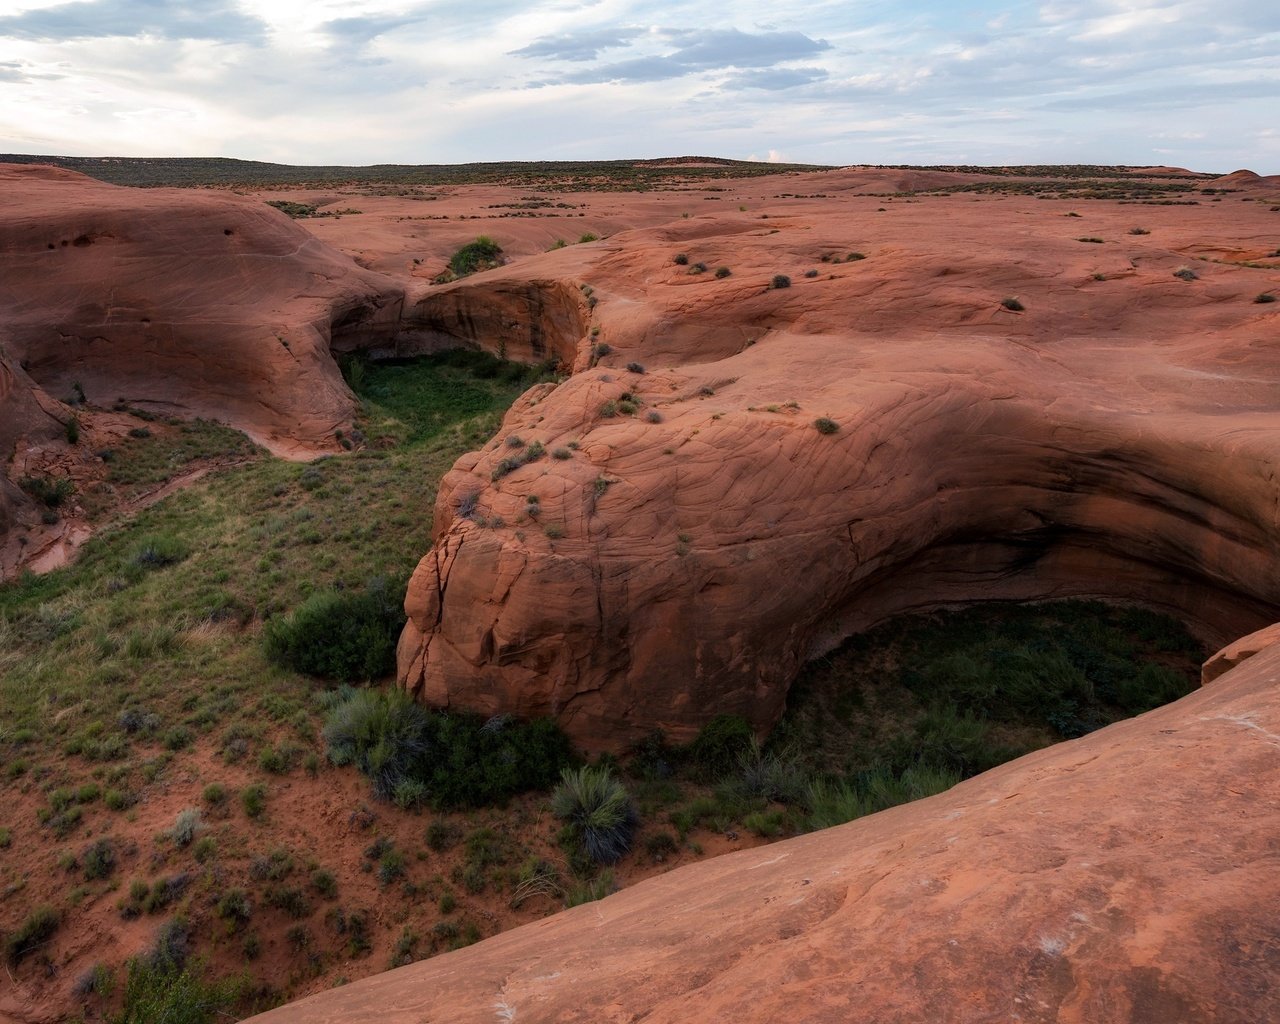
681	259
324	883
561	454
660	846
254	799
383	734
1090	238
780	281
697	268
160	550
215	794
52	492
1139	231
185	826
342	636
810	273
35	931
853	257
723	272
1265	297
635	368
598	810
234	908
825	425
462	760
98	859
589	236
173	995
482	254
721	744
1011	302
1186	274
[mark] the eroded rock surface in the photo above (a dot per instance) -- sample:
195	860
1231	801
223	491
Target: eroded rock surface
1127	876
182	302
1114	437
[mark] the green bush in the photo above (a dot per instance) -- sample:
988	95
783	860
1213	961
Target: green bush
342	636
720	745
459	760
254	799
780	281
825	425
597	809
482	254
156	993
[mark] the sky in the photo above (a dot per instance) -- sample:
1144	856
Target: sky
1192	83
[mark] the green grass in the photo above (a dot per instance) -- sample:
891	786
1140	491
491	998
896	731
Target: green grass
165	612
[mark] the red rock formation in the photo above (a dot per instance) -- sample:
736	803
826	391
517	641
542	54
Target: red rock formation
1127	876
182	302
1114	438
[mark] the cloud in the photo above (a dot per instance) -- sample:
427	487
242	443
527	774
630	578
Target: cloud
774	79
96	19
577	46
732	48
709	50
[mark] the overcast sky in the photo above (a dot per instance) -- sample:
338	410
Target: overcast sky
1194	83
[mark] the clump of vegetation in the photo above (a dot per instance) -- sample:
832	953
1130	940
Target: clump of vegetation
36	929
1011	302
681	259
780	281
1185	274
340	635
597	811
459	760
482	254
1265	297
48	490
723	272
825	425
1090	238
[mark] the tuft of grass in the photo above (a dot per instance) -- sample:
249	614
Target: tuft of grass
1186	274
1264	297
825	425
598	812
1011	302
482	254
780	281
36	929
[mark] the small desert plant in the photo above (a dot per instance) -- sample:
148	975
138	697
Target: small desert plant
36	929
780	281
589	236
723	272
185	826
1090	238
382	734
597	811
1011	302
1265	297
697	268
635	368
589	892
681	259
810	273
1139	231
1185	274
159	550
826	425
254	799
98	859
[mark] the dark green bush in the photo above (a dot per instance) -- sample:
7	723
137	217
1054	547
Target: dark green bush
596	808
721	744
460	760
780	281
826	425
343	636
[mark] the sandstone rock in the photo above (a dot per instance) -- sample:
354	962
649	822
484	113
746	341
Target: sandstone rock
1115	438
182	302
1127	876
